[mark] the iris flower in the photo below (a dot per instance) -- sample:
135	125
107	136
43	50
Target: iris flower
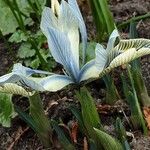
63	25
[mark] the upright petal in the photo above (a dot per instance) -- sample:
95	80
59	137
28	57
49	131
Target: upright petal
69	24
61	51
89	70
55	82
101	57
75	9
48	20
55	7
93	68
112	39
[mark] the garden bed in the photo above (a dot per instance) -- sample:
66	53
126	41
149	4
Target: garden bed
20	136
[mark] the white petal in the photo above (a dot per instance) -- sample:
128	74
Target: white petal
75	9
55	6
25	71
61	51
5	78
89	70
101	57
48	20
23	81
112	40
69	24
55	82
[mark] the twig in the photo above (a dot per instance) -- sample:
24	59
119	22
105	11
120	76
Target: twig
18	135
133	19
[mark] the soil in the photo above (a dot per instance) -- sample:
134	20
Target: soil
57	104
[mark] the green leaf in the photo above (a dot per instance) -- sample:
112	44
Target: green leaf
6	109
67	145
26	118
112	94
102	17
79	118
121	133
41	121
89	113
25	51
8	23
18	37
108	142
35	63
90	51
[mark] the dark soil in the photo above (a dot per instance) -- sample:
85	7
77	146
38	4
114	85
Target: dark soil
56	104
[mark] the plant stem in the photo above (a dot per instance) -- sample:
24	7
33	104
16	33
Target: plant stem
112	94
133	19
43	127
34	8
137	106
19	15
139	84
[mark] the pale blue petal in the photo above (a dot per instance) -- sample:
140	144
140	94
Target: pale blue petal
55	82
89	70
69	24
101	57
75	9
48	20
112	40
25	71
25	82
61	51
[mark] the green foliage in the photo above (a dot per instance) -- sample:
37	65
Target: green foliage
107	141
8	23
25	51
43	128
6	109
102	17
121	134
89	113
89	51
132	99
67	145
18	37
111	92
137	73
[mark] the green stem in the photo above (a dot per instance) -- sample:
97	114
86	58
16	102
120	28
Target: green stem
14	13
112	94
34	8
42	60
43	127
139	84
38	6
19	15
137	106
133	19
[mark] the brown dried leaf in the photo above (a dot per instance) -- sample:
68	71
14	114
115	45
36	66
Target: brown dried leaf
74	131
146	111
85	144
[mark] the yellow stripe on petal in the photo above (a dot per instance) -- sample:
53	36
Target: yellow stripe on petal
12	88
